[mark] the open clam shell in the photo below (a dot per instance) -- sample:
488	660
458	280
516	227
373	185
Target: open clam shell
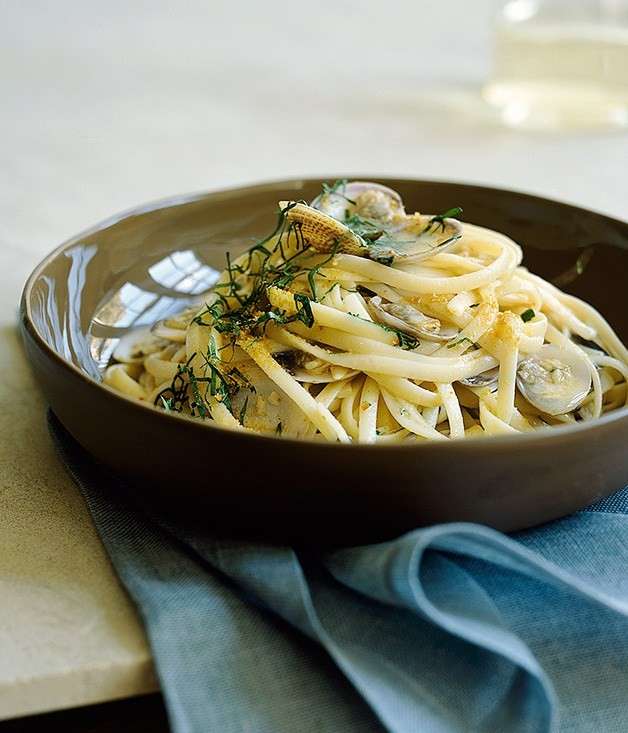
369	220
416	238
489	378
403	317
323	232
367	199
266	409
554	380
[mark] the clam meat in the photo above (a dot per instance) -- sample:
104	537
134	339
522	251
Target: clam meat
403	317
555	380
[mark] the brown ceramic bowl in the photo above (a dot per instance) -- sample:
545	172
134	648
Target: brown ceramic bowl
146	263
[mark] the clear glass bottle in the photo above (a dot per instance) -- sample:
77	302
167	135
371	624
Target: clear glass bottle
561	64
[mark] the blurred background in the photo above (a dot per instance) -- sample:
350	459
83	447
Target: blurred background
108	104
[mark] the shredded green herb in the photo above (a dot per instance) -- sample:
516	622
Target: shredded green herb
459	341
527	315
314	271
376	238
175	396
453	213
199	401
335	188
242	414
304	310
167	403
406	341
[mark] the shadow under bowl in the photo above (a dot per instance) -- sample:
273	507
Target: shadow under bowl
136	268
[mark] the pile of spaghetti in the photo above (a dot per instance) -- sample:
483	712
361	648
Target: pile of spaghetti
355	321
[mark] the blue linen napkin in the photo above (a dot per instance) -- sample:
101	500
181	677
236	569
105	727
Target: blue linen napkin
450	628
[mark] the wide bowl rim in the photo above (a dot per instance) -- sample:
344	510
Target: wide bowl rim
493	443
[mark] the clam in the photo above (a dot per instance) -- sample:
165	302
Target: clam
323	232
416	238
554	380
366	199
368	220
403	317
266	409
488	378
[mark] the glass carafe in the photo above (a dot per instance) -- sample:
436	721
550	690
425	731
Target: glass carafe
561	64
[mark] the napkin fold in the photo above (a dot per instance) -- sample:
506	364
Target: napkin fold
449	628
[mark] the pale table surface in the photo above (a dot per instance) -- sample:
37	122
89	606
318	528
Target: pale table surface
106	105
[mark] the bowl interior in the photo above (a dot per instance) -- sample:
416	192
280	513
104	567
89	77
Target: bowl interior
142	266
